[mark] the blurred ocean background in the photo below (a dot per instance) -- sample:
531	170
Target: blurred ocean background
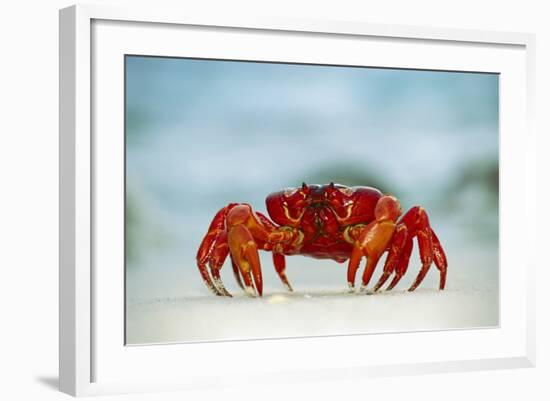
203	133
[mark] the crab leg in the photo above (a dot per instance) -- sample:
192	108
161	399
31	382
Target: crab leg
278	258
396	248
424	238
207	246
402	264
279	262
440	260
430	249
217	258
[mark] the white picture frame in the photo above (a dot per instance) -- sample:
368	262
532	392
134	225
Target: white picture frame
93	359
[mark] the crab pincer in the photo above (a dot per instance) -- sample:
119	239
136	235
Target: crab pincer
239	232
244	252
373	240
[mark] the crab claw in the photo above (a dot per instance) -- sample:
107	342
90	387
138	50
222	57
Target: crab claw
239	232
245	254
242	245
237	273
371	243
228	235
373	240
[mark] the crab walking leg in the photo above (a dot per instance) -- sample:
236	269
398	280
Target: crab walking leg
418	225
424	239
373	240
218	283
217	258
217	226
280	266
205	250
396	248
402	264
207	280
440	260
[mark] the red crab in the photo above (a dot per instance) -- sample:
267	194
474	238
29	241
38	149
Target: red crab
325	222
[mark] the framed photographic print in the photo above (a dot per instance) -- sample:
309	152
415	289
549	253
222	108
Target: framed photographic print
304	183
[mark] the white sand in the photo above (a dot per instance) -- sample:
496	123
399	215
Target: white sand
312	313
173	305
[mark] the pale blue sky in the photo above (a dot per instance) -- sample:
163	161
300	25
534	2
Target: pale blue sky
202	133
